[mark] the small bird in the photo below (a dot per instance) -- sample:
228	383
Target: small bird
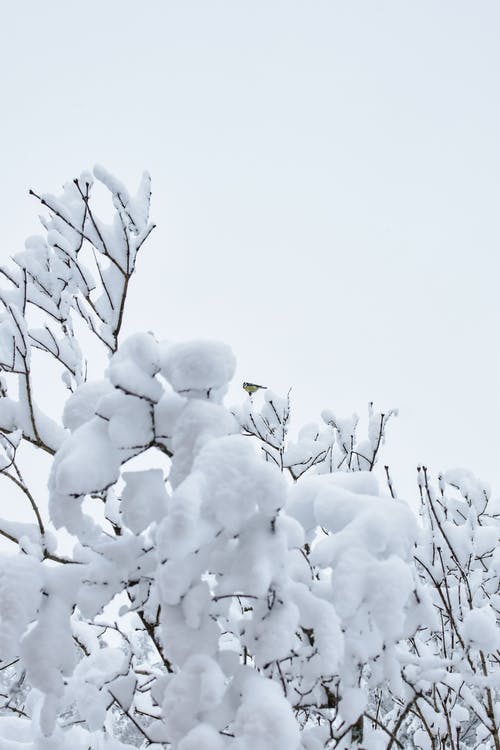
250	388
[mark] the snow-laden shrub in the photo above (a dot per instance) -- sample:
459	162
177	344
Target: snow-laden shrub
199	580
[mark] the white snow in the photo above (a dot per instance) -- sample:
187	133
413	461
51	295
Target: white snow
87	462
144	499
82	405
265	720
199	369
481	628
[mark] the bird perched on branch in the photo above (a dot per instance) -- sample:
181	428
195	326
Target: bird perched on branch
250	388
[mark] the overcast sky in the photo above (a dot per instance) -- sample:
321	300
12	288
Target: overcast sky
326	182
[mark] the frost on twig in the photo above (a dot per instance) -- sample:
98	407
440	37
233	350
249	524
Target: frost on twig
327	448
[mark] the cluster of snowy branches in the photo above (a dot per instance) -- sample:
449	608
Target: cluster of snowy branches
199	580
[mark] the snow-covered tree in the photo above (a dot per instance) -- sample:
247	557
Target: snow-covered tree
195	578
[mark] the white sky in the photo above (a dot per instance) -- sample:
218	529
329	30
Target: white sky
326	182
